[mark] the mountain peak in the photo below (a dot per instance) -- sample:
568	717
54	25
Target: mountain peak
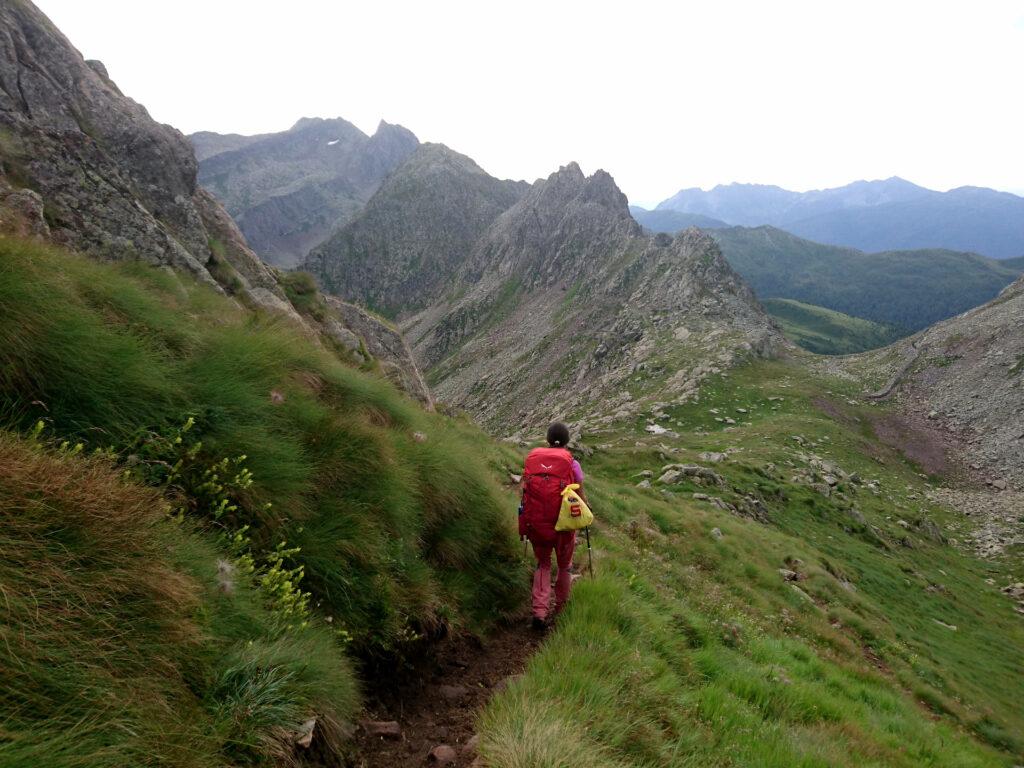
570	185
305	122
570	173
324	124
386	130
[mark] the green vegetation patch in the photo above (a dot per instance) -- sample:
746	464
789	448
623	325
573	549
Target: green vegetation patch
904	289
827	332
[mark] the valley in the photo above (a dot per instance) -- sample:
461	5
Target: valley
264	404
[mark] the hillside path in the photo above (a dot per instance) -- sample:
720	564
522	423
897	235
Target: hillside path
439	701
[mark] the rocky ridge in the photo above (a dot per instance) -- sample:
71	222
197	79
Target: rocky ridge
571	310
86	168
290	190
405	249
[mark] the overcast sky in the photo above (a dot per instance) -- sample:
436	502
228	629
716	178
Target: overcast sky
662	95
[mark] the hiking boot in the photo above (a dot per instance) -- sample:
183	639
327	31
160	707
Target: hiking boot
538	624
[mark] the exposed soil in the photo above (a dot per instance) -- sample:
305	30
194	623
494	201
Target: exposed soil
934	450
439	701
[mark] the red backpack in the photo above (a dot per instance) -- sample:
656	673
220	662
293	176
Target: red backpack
546	474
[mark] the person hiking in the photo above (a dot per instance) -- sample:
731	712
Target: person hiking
546	474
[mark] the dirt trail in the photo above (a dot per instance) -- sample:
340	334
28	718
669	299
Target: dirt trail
442	698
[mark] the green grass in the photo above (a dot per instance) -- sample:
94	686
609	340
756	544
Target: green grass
826	332
121	647
692	650
300	287
399	538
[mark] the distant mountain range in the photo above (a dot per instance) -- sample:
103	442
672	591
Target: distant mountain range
670	221
289	191
908	289
891	214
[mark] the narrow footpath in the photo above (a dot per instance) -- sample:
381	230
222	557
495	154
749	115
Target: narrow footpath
429	721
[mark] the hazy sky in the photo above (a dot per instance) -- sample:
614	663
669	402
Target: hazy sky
662	95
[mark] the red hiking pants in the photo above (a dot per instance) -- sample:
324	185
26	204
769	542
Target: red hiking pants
563	546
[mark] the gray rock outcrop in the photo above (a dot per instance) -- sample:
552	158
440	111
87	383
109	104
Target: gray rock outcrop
386	345
112	182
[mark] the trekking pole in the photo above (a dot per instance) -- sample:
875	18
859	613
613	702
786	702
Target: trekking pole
590	553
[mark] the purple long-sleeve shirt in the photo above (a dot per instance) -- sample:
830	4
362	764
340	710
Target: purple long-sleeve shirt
577	472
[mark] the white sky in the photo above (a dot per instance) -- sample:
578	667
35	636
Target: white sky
662	95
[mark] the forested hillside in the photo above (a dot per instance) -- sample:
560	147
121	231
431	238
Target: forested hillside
826	331
908	289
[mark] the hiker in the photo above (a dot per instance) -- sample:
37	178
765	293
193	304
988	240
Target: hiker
547	473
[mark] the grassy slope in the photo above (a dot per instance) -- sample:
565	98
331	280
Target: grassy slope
825	331
692	650
398	536
909	289
120	646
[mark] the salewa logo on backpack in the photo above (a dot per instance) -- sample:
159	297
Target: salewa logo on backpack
546	466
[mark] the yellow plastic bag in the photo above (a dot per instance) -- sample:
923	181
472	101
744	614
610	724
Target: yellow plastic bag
575	513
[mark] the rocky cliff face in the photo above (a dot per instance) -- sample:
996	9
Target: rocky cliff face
407	248
83	166
574	312
967	373
88	168
290	190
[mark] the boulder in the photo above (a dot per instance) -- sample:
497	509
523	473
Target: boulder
304	736
671	473
670	476
470	747
713	458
